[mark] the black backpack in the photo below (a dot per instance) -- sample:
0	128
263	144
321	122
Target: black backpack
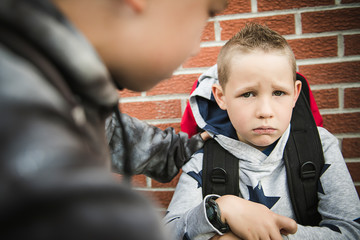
303	157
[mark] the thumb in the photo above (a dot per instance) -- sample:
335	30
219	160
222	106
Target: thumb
286	225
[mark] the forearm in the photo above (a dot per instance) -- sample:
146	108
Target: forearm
186	212
193	224
154	152
314	233
250	220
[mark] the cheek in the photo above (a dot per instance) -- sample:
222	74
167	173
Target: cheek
285	116
239	118
284	106
173	50
187	34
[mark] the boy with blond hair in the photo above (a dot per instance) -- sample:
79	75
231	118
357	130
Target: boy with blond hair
248	111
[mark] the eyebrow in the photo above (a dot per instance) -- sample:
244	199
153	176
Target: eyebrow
243	90
253	87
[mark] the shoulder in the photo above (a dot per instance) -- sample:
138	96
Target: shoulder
331	148
22	82
195	163
327	139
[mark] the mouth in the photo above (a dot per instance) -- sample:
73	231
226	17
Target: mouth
264	130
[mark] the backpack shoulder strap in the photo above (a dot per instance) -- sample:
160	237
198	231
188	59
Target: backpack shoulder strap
304	160
220	173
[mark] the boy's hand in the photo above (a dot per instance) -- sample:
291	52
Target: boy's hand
249	220
205	136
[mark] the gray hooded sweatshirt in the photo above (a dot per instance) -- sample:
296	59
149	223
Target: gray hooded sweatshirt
262	179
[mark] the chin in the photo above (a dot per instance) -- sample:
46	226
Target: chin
263	144
137	83
133	84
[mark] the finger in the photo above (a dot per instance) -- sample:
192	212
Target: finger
286	225
275	235
205	136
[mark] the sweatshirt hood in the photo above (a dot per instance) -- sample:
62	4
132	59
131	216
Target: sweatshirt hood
208	115
211	118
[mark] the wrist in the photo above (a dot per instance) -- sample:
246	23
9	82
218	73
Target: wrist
213	214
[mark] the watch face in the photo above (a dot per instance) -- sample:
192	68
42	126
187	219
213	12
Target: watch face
214	217
210	213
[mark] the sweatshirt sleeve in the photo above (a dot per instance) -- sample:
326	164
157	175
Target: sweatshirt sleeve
186	216
339	203
157	153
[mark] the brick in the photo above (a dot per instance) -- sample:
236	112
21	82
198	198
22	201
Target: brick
153	110
351	147
354	169
128	93
171	184
136	180
271	5
342	123
283	24
160	198
177	84
330	20
314	47
327	98
206	58
237	6
175	126
351	44
352	98
358	190
208	33
344	72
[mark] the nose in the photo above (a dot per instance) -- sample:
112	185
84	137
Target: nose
264	108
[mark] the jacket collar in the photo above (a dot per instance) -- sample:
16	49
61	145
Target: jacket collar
50	32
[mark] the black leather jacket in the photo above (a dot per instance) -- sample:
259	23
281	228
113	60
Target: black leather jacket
55	95
153	152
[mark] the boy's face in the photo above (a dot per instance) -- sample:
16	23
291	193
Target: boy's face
169	33
142	41
259	96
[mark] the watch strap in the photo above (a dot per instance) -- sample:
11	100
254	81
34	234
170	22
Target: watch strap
214	215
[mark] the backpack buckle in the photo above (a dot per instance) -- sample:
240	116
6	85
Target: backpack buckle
218	175
308	170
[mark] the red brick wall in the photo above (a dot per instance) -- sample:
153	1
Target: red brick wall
325	37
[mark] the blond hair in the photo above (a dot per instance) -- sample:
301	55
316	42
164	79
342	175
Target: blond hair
252	37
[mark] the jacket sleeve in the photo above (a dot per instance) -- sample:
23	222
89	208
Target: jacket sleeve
156	153
186	215
339	203
53	184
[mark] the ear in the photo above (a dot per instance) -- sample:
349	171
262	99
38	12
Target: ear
297	91
218	93
136	5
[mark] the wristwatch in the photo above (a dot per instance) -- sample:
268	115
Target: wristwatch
214	215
